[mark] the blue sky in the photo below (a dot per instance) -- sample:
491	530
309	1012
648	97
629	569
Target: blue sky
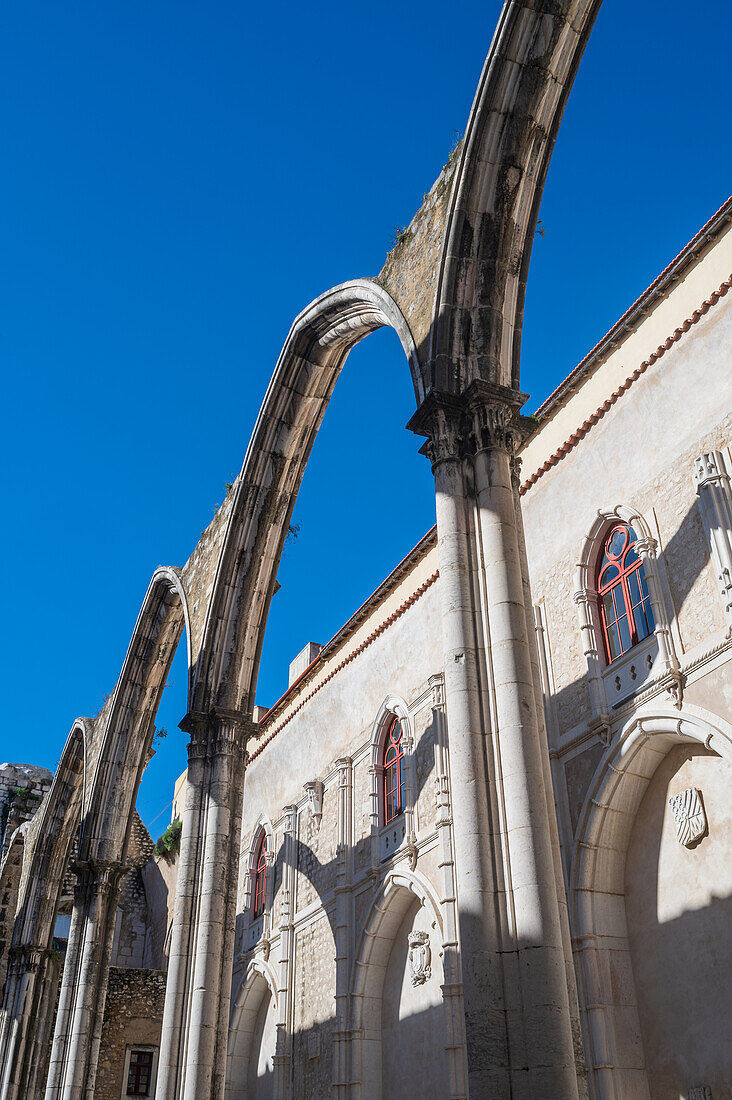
177	184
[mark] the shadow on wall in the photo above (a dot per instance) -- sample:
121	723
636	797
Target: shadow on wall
679	912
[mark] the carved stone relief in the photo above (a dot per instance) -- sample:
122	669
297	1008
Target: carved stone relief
420	957
689	816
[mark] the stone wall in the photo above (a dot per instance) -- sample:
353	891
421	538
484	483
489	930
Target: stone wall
133	1015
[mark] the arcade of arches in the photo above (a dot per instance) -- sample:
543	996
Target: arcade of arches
481	845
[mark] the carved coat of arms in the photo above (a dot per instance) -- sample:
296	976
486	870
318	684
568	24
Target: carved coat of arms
420	957
689	816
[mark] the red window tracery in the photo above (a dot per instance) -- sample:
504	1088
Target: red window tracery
393	763
625	606
260	880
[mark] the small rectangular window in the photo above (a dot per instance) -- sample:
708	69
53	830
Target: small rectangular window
139	1074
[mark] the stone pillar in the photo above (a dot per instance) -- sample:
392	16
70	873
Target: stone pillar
75	1047
20	1010
192	1062
283	1042
517	1017
342	929
712	479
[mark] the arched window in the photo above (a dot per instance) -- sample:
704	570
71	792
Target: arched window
625	606
393	762
260	876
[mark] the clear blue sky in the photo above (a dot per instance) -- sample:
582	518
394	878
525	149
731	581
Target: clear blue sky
178	182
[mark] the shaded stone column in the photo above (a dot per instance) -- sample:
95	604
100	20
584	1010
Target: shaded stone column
72	1069
192	1062
517	1017
19	1011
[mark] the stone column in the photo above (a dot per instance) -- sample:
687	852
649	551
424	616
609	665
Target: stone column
712	479
342	929
517	1018
283	1042
20	1009
192	1062
75	1047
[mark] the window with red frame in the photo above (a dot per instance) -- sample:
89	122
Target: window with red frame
260	878
625	606
393	763
139	1073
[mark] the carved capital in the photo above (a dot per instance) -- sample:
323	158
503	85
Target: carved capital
484	417
218	732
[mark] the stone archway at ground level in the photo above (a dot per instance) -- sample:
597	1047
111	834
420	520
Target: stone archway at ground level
610	1006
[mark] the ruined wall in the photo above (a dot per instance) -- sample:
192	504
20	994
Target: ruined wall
411	268
133	1014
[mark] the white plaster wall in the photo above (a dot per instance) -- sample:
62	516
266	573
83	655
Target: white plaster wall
679	910
696	285
338	720
413	1027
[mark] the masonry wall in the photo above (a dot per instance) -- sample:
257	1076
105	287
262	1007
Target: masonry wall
133	1015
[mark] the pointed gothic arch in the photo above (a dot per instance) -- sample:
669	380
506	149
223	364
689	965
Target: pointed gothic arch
265	491
258	989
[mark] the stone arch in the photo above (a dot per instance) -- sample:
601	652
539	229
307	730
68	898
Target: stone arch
29	995
259	983
495	199
612	1029
398	893
130	722
54	831
124	737
11	872
266	489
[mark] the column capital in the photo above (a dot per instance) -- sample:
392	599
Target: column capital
485	416
217	731
101	876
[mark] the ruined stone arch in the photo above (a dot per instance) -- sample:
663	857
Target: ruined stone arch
54	830
259	982
611	1024
503	161
129	722
398	893
266	489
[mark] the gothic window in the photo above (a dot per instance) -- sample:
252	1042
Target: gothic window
139	1073
393	764
624	603
260	876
